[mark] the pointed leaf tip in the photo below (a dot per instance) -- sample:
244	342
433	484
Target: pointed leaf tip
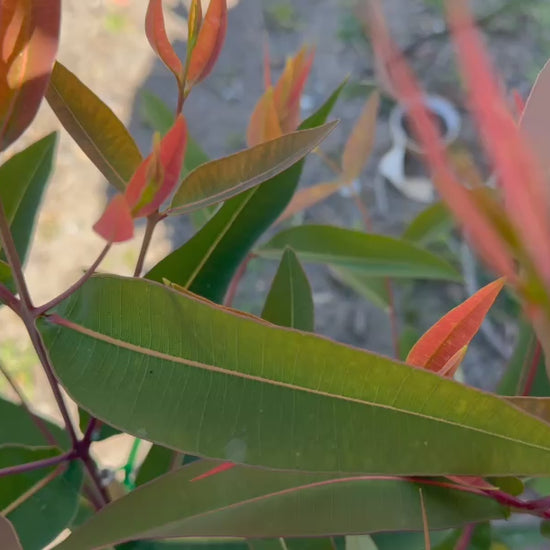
441	344
116	224
209	43
157	37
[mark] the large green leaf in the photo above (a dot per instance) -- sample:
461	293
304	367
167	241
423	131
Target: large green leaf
96	129
187	374
5	273
248	502
50	509
371	254
289	302
207	262
17	427
221	179
23	179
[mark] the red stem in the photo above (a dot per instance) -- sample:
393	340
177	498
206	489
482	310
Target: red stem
532	372
234	285
37	465
9	299
464	541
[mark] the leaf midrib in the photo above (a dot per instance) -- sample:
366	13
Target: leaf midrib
62	322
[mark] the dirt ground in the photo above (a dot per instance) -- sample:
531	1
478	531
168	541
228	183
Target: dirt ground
104	44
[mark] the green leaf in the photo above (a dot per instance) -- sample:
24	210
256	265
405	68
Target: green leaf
5	273
253	503
21	430
23	179
430	224
221	179
368	253
96	129
157	462
8	535
184	373
186	544
373	289
50	509
207	262
289	302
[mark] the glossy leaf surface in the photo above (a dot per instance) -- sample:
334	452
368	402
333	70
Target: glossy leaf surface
30	36
454	330
215	383
371	254
96	129
246	502
224	178
289	302
23	179
207	262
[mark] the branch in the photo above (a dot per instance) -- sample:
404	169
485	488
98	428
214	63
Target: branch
9	299
152	221
74	287
37	464
12	256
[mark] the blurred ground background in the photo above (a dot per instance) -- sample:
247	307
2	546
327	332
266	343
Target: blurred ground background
104	44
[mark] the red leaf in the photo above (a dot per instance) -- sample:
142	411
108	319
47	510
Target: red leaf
30	36
194	22
156	34
453	331
451	366
484	235
218	469
526	193
146	192
116	224
209	42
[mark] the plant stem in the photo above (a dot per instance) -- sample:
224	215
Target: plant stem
74	287
152	221
532	372
91	467
9	299
234	285
13	259
466	536
37	464
40	424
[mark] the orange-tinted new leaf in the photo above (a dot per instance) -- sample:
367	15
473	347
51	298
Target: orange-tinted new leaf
308	197
359	145
264	121
289	88
156	34
483	233
116	224
451	366
30	36
145	195
209	42
454	330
